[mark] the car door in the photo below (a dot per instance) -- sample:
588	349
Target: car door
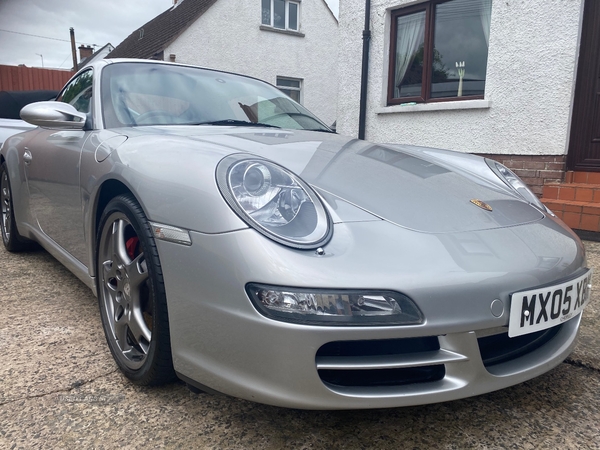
52	166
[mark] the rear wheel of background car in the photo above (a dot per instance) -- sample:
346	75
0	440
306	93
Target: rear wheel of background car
131	294
11	238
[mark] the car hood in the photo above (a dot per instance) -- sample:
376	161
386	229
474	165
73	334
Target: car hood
399	184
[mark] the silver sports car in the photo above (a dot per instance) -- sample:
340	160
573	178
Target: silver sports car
234	241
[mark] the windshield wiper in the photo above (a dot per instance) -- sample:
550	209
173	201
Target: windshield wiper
240	123
322	130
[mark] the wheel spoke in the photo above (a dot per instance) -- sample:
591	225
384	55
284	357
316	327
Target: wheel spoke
118	241
109	274
133	354
139	329
137	273
121	331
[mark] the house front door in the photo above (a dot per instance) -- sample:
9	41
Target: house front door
584	144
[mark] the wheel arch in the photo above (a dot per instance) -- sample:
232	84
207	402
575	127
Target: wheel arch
109	189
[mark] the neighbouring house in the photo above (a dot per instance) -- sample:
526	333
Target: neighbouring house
289	43
87	55
514	80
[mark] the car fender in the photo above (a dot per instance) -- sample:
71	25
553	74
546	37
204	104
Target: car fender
169	192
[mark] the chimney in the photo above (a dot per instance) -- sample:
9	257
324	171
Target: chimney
85	52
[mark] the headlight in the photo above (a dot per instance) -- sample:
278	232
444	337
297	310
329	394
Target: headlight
515	183
274	201
342	308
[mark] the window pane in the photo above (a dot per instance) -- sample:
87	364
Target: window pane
408	70
279	13
460	48
293	16
288	82
295	95
266	12
79	92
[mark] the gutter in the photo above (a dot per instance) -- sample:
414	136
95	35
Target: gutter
362	119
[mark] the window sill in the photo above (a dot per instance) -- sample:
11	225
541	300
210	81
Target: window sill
282	31
438	106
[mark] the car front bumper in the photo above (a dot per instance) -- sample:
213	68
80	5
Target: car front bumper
220	341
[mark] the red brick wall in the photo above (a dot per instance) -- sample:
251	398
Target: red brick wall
21	78
534	170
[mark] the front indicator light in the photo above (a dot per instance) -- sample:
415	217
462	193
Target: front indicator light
170	234
336	308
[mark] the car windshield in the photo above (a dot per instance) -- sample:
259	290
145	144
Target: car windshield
138	94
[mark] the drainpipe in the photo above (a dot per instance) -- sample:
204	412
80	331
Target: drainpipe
362	119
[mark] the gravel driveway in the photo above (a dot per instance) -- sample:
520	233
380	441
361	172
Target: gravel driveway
59	388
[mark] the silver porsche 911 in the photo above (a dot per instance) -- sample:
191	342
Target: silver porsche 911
234	241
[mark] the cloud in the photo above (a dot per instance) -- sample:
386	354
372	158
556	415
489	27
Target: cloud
25	26
95	23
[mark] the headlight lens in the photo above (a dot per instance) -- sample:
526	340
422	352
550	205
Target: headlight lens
343	308
514	182
274	201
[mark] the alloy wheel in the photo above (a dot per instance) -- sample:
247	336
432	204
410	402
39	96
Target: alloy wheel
6	205
124	291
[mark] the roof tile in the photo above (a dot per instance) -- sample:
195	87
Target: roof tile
152	37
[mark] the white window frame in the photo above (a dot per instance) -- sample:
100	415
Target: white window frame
283	88
287	15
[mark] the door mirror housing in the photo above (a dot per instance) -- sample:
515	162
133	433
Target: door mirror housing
53	114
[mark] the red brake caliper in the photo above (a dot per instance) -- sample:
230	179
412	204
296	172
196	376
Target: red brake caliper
132	247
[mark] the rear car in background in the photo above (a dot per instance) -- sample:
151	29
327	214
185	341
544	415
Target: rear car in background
11	103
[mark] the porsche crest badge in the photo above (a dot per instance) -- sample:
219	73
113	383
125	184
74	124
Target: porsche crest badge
482	205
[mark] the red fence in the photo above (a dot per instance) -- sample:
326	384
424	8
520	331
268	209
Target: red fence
21	78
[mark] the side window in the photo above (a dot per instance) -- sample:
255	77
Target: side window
79	92
291	87
282	14
439	51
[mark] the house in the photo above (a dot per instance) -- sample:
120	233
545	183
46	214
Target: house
87	55
289	43
514	80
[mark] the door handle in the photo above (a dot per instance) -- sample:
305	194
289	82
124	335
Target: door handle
27	157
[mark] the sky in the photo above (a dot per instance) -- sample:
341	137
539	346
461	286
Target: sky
30	28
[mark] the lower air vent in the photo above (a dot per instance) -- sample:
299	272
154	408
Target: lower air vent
389	362
383	377
499	348
380	347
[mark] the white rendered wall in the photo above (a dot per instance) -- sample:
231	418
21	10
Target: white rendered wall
529	86
227	37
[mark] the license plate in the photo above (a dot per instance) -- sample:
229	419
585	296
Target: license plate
541	308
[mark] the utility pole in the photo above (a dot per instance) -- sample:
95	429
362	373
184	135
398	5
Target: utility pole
73	51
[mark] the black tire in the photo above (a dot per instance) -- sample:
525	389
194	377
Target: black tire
11	238
131	294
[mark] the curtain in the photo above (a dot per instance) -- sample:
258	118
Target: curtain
410	35
486	16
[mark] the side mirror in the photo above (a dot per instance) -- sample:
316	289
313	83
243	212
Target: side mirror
53	115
